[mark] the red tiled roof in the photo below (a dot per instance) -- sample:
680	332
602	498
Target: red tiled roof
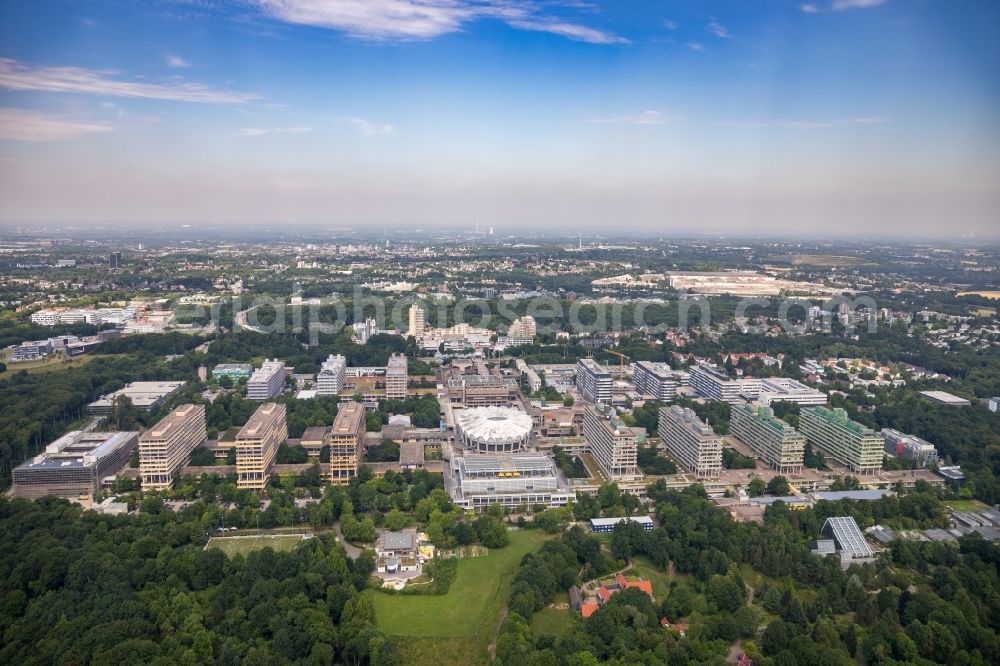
620	579
643	585
588	609
604	594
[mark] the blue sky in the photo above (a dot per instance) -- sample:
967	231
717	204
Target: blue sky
832	116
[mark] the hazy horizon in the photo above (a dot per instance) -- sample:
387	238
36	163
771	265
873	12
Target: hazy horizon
834	118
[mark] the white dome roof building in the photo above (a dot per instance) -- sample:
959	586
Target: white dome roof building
494	429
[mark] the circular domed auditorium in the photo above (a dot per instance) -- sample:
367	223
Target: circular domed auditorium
493	429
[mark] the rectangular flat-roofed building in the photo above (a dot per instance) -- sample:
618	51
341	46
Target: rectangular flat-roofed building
346	441
655	379
166	447
397	377
332	375
267	381
613	444
508	480
313	440
608	524
776	442
778	389
593	381
74	465
945	398
144	396
691	441
909	447
257	445
232	370
847	441
714	384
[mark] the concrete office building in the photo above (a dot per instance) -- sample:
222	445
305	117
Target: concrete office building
775	389
313	440
267	381
691	441
848	442
528	376
909	447
397	377
74	465
714	384
613	444
232	370
594	382
523	328
417	326
508	480
777	443
331	376
257	445
655	379
166	447
144	396
346	442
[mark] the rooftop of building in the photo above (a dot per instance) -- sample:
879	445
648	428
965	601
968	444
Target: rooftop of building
350	418
173	420
78	449
260	420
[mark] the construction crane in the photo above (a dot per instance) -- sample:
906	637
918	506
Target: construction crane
620	356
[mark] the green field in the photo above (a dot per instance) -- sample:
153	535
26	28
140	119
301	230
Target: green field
552	621
456	628
965	505
244	545
51	364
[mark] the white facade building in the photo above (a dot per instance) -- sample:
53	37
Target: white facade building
267	381
330	379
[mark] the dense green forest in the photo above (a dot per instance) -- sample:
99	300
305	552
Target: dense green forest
80	588
921	603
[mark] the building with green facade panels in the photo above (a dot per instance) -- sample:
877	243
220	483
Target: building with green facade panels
777	443
848	442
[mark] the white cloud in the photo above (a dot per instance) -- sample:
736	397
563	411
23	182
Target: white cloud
26	125
176	61
696	46
259	131
839	5
644	118
670	25
580	33
15	75
719	30
810	8
367	127
424	19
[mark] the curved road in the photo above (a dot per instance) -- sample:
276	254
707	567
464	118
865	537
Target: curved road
352	551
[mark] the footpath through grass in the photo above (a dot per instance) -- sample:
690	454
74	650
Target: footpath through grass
456	628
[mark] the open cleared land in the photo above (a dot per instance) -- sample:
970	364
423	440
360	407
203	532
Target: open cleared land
244	545
817	260
992	295
965	505
50	364
552	621
456	628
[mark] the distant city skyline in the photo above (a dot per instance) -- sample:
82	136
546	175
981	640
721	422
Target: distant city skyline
834	117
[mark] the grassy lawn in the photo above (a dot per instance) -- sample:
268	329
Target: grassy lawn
51	364
551	621
646	570
965	505
466	616
244	545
